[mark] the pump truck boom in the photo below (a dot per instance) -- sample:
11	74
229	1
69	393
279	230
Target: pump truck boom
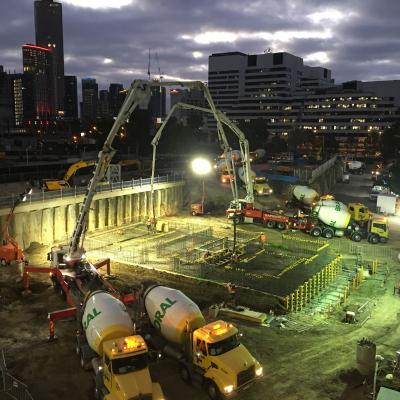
221	119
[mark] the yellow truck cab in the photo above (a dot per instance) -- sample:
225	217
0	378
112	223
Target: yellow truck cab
124	373
228	366
261	187
359	212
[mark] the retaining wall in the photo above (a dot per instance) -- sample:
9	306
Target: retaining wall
50	221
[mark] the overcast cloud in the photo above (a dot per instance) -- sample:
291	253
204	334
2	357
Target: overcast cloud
109	39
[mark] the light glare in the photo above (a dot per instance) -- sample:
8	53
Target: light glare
201	166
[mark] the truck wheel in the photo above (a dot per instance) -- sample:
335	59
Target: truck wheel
328	233
213	391
3	262
85	363
185	375
315	232
356	237
193	213
281	226
270	224
374	239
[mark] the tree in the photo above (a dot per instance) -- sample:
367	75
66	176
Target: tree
390	143
256	132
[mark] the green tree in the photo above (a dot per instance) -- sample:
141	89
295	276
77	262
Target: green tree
390	143
256	132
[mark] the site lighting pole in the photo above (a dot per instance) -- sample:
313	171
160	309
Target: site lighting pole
201	166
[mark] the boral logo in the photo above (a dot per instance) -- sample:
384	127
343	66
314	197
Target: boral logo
89	316
159	315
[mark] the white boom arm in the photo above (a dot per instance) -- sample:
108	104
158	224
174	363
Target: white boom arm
244	147
138	95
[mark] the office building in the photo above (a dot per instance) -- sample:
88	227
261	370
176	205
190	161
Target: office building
90	94
71	97
39	85
49	34
116	97
5	102
157	104
289	96
104	108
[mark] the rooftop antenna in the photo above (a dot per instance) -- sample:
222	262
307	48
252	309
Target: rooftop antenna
148	67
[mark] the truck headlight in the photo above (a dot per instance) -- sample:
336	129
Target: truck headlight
259	371
228	389
260	192
270	190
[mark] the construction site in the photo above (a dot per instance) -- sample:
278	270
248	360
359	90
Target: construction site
141	290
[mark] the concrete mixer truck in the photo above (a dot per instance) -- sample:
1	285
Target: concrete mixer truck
305	197
209	355
334	219
107	344
260	183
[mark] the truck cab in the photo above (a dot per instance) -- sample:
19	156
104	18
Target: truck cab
122	372
261	187
359	212
227	365
375	231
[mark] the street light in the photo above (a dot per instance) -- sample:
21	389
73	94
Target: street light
201	166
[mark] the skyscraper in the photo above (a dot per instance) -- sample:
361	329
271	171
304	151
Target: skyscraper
104	107
49	34
71	97
38	69
90	95
116	97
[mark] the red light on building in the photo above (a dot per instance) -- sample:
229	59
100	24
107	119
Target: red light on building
32	46
174	91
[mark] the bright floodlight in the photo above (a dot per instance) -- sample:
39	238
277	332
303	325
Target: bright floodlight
201	166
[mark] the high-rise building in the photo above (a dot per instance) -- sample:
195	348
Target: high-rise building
71	97
49	34
90	94
38	69
116	97
104	107
289	96
21	88
5	102
157	105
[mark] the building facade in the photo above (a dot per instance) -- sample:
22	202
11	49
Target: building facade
116	97
291	96
71	97
90	95
49	34
39	85
104	105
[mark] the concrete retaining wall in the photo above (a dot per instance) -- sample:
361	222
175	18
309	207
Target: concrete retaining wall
51	221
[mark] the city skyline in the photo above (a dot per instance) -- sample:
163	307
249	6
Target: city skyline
356	40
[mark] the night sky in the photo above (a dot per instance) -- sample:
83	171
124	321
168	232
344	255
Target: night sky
109	39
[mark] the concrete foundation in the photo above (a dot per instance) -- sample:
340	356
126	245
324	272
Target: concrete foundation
54	220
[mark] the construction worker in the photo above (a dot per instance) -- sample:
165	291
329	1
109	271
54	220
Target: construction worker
231	302
148	225
262	239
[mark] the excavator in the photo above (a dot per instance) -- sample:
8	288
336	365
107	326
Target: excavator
9	248
63	184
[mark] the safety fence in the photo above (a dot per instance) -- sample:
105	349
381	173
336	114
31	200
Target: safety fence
302	245
8	201
11	386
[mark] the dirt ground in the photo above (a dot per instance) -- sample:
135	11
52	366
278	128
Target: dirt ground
315	361
315	364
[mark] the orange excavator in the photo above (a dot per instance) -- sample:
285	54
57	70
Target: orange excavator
9	248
